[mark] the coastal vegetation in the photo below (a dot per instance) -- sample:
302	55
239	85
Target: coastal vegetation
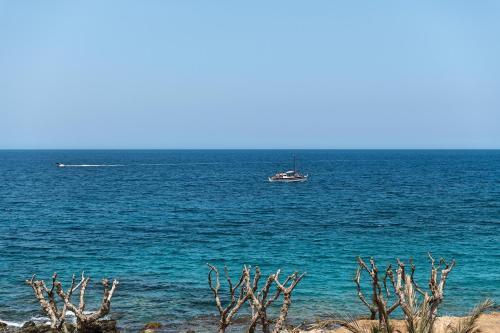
390	290
259	298
419	306
56	308
419	315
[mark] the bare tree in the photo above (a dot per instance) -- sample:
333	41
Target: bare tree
226	313
48	302
420	317
260	301
379	302
84	318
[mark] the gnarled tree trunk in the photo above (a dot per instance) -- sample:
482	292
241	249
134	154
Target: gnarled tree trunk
227	313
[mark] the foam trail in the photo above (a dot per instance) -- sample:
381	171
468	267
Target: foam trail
184	163
89	165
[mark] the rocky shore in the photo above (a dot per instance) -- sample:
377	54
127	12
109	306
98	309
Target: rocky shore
487	323
101	326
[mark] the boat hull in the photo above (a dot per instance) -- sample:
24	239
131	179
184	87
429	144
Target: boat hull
290	180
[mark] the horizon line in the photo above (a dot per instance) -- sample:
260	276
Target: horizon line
313	148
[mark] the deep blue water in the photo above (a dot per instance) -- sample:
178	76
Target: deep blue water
155	218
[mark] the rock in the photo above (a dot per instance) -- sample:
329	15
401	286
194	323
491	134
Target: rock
3	327
32	327
29	327
101	326
108	326
151	327
29	324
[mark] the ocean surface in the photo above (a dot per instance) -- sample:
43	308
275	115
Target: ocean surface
154	218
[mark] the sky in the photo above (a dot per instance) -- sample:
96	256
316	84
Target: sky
249	74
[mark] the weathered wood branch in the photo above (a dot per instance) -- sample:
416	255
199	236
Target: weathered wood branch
437	284
286	290
371	307
416	315
227	312
415	285
259	302
403	288
420	316
379	302
84	318
45	297
66	297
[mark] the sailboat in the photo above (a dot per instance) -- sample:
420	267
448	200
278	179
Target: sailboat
291	176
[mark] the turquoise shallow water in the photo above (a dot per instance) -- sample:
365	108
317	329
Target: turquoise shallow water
153	219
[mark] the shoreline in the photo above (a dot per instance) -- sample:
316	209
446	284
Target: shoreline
487	323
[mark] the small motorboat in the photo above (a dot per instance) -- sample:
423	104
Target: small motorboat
289	176
60	165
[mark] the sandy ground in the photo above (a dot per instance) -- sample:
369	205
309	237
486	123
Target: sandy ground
488	323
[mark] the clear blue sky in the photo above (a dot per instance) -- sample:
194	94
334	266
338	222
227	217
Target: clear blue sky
254	74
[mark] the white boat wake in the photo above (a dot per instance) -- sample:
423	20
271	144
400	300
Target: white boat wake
62	165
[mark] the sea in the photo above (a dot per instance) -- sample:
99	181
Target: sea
153	219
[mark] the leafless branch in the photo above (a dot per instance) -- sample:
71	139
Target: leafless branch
227	313
85	318
47	300
379	302
286	289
